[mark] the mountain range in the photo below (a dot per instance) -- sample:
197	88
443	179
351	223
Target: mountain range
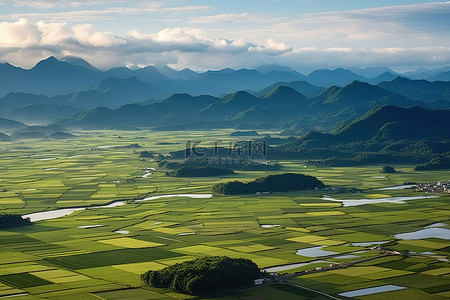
282	107
70	74
73	93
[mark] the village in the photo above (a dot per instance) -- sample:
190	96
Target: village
434	187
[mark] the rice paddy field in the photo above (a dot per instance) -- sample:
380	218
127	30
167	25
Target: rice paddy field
100	252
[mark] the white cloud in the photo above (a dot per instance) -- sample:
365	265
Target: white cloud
18	34
84	40
85	34
85	12
237	18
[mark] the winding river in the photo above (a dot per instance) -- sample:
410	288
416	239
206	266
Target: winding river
57	213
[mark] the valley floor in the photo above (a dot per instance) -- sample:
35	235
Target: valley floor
100	252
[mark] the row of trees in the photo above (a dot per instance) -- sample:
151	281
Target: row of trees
204	275
205	171
231	163
272	183
12	220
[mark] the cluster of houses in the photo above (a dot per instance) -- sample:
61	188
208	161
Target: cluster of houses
434	187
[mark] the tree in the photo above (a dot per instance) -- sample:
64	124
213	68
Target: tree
388	170
204	275
272	183
11	220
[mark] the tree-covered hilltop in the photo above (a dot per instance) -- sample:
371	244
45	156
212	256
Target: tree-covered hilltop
11	220
272	183
204	275
384	135
388	170
205	171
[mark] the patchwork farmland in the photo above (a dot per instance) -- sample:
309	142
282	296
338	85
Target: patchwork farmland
100	252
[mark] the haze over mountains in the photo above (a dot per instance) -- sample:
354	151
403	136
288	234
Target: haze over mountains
73	93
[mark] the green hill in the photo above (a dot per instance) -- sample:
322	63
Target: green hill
385	134
272	183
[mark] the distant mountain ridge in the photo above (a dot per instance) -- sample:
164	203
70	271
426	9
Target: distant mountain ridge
247	96
282	107
69	74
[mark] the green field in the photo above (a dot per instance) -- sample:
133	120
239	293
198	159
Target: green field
60	259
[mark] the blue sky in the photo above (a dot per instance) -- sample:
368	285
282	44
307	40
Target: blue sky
212	34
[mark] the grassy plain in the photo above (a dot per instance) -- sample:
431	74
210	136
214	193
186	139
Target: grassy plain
57	259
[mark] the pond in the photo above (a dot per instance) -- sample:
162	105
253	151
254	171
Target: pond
294	266
364	244
427	233
398	187
356	202
269	226
314	252
372	290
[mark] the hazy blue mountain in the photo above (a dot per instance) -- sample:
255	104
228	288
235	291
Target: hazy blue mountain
282	107
10	77
78	61
46	130
177	109
269	68
444	76
52	76
227	80
49	76
339	77
146	74
421	90
4	137
228	106
38	132
41	113
7	125
371	72
111	92
88	99
423	73
11	104
303	87
184	74
16	100
386	76
128	90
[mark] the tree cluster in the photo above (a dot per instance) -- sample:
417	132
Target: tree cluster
272	183
189	171
221	162
388	170
204	275
12	220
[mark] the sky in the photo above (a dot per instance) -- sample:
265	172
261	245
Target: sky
213	34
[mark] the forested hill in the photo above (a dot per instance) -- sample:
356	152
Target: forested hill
384	122
385	134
